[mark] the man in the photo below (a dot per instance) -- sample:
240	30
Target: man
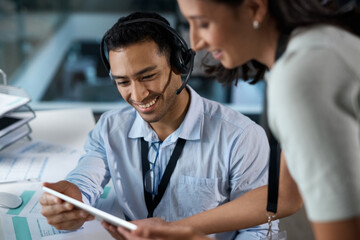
221	153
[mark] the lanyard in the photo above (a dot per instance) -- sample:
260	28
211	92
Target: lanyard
274	172
274	165
151	203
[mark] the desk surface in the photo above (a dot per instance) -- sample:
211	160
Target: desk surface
60	129
67	127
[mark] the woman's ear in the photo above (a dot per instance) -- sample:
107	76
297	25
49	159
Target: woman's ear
258	9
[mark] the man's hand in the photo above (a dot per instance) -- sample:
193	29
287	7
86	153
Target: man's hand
144	222
154	228
163	232
63	215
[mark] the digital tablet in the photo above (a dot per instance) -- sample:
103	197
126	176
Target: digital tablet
98	214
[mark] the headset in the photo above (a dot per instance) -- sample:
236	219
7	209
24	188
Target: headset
182	57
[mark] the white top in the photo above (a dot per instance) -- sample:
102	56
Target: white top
314	111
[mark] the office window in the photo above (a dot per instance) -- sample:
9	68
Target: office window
51	49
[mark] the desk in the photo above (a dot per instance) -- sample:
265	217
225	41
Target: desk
57	140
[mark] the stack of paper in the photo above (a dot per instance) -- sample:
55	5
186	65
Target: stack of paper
15	135
13	125
10	102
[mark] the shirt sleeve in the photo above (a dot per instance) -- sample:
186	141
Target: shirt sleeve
313	103
249	161
249	170
92	172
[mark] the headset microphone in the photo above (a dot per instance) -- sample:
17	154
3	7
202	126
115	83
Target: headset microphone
167	82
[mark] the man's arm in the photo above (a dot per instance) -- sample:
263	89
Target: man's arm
92	172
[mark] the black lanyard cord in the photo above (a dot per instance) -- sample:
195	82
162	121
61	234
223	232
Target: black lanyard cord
274	173
274	161
151	203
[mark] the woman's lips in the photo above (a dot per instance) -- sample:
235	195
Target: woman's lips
217	54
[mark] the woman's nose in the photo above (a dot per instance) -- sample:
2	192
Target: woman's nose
197	43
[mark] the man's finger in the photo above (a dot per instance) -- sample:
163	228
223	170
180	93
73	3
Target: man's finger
127	234
48	199
50	210
69	225
113	231
166	232
60	186
75	215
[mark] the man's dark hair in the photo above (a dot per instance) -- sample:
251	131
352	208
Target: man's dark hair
289	15
121	34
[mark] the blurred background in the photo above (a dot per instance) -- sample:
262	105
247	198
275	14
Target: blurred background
51	49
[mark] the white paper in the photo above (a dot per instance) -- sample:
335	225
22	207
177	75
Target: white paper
58	136
30	221
19	122
14	135
11	102
38	160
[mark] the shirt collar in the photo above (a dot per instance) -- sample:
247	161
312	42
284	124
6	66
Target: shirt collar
190	128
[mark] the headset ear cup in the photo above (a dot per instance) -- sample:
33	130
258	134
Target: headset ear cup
178	61
182	59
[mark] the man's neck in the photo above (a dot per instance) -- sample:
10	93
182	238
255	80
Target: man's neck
167	126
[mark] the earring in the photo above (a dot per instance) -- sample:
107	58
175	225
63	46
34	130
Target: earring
256	24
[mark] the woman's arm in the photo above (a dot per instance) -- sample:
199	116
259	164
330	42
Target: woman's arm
248	210
345	230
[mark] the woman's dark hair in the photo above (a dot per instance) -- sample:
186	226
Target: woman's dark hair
289	15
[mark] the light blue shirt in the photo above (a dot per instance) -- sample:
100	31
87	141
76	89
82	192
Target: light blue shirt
225	156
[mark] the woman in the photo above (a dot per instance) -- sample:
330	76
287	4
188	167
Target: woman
313	97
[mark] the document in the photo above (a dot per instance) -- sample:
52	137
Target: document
37	161
11	102
22	168
57	145
13	136
26	222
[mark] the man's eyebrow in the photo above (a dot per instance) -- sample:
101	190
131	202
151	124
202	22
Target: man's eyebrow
142	71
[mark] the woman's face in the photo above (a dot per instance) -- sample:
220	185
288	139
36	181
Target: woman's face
225	31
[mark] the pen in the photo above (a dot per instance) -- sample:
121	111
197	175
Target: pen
19	180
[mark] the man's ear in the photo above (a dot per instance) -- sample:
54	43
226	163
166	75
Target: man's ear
175	70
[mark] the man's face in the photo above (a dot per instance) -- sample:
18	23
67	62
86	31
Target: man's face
145	80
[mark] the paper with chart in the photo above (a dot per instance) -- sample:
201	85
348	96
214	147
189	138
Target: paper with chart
37	161
27	223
